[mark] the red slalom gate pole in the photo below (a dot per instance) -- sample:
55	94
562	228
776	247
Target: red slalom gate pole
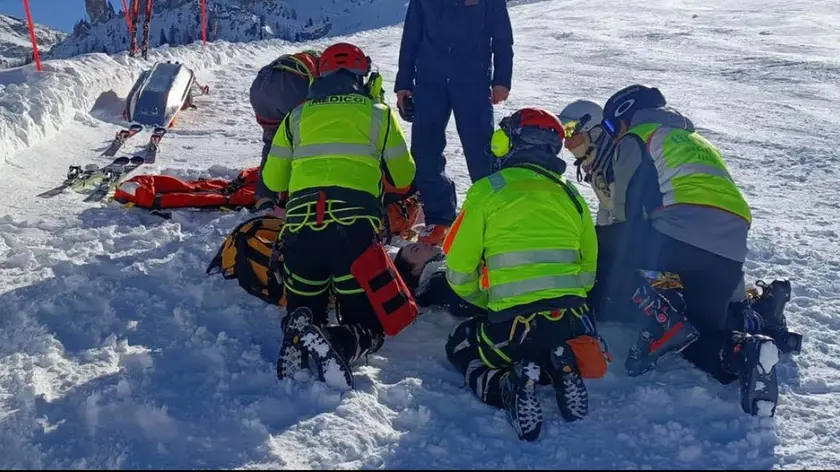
204	22
32	35
127	16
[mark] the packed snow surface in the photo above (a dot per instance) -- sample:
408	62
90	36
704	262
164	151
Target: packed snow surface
117	351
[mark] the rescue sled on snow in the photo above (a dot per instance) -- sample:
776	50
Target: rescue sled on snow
160	93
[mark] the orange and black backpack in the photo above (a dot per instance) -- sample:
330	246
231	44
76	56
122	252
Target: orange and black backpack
402	207
251	254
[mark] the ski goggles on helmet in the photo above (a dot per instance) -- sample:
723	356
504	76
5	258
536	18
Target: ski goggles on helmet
610	127
573	127
574	134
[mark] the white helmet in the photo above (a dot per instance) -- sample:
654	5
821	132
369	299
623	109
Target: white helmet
593	149
578	111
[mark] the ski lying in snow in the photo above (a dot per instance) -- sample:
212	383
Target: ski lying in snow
120	139
154	144
112	175
94	179
74	174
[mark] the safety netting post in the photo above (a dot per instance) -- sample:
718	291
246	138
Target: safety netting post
32	35
127	16
204	22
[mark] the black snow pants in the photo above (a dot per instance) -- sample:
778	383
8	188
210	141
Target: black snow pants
709	282
317	261
469	349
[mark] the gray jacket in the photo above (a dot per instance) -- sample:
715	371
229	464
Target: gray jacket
637	195
274	93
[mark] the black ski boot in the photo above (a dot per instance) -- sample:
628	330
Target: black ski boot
361	343
753	358
331	367
571	393
770	304
520	401
292	356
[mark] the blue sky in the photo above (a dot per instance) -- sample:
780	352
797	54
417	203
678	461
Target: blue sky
58	14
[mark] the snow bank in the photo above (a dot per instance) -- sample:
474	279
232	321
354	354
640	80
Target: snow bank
117	351
35	106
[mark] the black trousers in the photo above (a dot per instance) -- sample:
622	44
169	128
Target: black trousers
469	350
610	297
709	282
317	261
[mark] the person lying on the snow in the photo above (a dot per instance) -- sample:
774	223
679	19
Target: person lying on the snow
684	225
523	247
330	154
423	269
276	90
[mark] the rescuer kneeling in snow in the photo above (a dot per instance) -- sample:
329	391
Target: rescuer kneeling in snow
330	154
683	225
524	248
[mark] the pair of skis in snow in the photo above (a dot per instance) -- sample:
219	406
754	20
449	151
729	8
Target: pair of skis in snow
124	135
105	179
102	179
134	13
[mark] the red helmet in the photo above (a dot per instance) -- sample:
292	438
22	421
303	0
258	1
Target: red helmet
539	118
534	126
344	56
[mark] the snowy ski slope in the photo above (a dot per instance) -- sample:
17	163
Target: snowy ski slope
117	351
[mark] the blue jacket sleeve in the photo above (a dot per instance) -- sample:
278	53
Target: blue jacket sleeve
636	182
412	34
643	195
501	33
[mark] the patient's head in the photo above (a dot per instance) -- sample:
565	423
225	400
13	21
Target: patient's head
411	259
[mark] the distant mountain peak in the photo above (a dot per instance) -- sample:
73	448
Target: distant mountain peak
177	22
99	11
15	45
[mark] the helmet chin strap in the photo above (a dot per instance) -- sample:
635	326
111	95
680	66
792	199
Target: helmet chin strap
579	174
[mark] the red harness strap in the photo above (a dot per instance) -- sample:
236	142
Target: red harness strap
320	208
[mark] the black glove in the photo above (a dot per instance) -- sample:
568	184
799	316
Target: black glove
407	109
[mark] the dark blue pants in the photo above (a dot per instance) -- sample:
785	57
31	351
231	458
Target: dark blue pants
433	104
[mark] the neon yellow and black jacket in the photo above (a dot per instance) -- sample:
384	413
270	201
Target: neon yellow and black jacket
522	243
336	144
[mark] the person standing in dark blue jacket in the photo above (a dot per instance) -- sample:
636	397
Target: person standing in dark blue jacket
455	56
